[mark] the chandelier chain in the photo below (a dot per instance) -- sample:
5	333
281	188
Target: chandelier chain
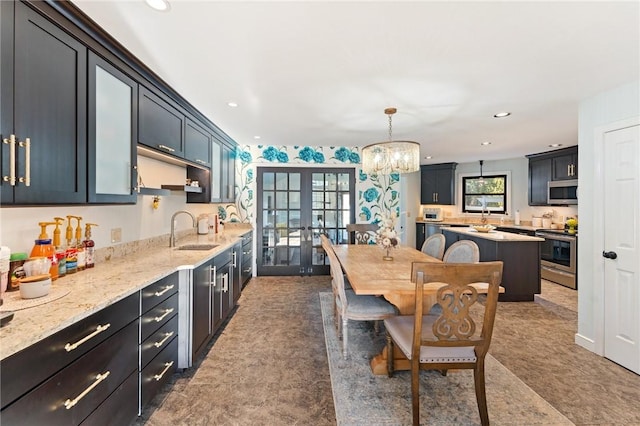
390	139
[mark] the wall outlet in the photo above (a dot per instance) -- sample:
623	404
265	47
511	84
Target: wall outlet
116	235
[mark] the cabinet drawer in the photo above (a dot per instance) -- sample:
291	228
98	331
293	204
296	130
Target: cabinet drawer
114	360
247	253
157	316
158	341
121	408
159	291
158	372
24	370
246	272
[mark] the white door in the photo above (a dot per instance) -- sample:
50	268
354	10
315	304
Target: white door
621	252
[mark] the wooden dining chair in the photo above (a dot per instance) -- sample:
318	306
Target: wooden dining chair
362	233
452	339
463	251
350	306
434	246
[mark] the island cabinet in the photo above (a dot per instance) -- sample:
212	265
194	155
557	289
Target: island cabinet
44	110
158	336
561	164
519	253
84	373
437	184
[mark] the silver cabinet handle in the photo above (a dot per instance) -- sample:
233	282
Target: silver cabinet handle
161	342
166	289
234	258
166	148
225	282
167	366
27	162
71	346
246	271
212	276
161	317
71	402
197	160
247	252
11	178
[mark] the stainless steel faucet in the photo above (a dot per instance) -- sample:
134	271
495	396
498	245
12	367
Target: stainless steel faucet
172	236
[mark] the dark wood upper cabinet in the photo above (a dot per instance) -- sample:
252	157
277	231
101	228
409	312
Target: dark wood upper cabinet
197	144
160	124
437	184
565	166
44	100
561	164
113	125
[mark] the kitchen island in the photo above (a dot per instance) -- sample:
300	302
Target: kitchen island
520	254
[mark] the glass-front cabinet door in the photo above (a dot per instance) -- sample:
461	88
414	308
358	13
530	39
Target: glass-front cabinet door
113	98
296	205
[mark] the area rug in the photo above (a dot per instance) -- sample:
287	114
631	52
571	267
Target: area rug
361	398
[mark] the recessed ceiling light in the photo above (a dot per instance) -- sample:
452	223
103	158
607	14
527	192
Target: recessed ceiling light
555	145
256	137
159	5
501	114
428	157
485	143
232	104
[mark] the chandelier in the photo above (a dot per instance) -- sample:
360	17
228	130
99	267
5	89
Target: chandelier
384	158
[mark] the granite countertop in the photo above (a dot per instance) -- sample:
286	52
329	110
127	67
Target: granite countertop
108	282
493	235
461	222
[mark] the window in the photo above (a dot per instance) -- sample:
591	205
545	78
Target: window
487	192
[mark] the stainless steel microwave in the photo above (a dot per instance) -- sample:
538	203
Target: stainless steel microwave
562	192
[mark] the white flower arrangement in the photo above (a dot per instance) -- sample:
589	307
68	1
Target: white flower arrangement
386	236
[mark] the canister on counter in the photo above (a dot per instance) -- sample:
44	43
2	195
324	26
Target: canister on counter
16	271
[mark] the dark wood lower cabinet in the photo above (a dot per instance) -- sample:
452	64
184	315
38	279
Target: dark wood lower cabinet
120	408
71	395
158	372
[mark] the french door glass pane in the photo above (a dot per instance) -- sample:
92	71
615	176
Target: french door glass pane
281	181
268	180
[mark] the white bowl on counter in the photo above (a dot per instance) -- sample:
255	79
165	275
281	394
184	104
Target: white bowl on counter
35	286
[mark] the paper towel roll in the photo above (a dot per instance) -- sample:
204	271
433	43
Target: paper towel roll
517	218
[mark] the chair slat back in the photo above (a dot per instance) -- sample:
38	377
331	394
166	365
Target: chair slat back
456	326
337	276
362	233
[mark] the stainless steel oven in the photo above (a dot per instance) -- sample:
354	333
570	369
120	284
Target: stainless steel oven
558	257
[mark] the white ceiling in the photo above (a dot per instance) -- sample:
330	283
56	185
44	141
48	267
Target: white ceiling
322	72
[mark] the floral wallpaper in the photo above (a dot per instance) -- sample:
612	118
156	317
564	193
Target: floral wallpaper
376	195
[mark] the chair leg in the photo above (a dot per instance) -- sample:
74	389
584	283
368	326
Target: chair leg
339	325
415	391
345	333
389	355
481	397
376	327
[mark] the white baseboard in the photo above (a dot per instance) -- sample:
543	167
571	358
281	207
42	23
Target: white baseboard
586	343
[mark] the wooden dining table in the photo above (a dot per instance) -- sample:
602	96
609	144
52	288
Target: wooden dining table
369	274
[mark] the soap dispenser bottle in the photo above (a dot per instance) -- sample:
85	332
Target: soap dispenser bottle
44	248
61	252
89	245
72	251
80	253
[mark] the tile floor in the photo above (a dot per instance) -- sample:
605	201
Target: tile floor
268	366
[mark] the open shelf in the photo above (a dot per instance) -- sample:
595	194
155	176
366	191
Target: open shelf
185	188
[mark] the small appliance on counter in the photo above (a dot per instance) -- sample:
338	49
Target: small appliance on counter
432	214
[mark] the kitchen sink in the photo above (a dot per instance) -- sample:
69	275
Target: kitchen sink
197	247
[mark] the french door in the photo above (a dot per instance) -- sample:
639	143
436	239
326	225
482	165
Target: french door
296	205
